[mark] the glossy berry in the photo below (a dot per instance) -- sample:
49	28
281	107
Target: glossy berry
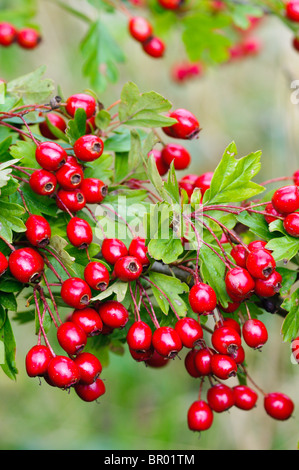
89	367
279	406
156	361
139	336
239	283
273	214
112	249
239	254
3	264
296	177
43	182
260	264
190	363
88	320
202	298
177	154
26	264
113	314
141	356
226	340
75	292
291	224
229	322
170	4
38	230
162	167
73	200
79	232
71	338
154	47
189	330
200	416
270	286
223	366
90	392
63	372
295	349
28	38
37	360
203	182
127	269
292	10
238	355
254	333
97	275
186	127
257	245
202	361
56	120
82	101
70	175
140	28
50	156
220	398
166	341
138	249
88	148
188	183
231	307
94	190
8	34
245	397
286	199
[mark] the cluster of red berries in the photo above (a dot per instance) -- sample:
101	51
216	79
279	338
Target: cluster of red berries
185	71
26	38
284	205
142	31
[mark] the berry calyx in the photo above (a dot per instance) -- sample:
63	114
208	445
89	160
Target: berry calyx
70	175
189	330
71	338
81	101
50	156
200	416
97	275
202	298
260	264
73	200
112	249
113	314
254	333
88	147
187	126
43	182
38	230
166	341
270	286
26	265
79	232
279	406
127	269
75	292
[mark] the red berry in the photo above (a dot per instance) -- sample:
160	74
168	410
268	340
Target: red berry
295	348
296	177
50	156
3	264
138	249
70	176
79	232
257	245
226	340
141	356
286	199
43	182
178	155
89	367
220	398
96	275
94	190
71	338
139	336
273	214
190	363
82	101
38	231
270	286
292	10
156	360
166	341
170	4
200	416
113	314
90	392
245	397
202	298
203	181
260	264
189	330
26	265
37	360
223	366
140	28
202	361
188	183
279	406
154	47
239	254
89	321
113	249
231	307
231	323
28	38
239	283
56	120
238	355
88	148
75	292
291	224
8	34
162	167
73	200
186	127
63	372
127	269
254	333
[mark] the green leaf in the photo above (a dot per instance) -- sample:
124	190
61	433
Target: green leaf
167	250
25	152
173	288
232	178
76	127
256	223
101	168
8	360
283	248
8	301
10	220
290	324
118	289
102	119
31	88
57	246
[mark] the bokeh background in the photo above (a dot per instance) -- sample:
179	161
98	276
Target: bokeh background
248	102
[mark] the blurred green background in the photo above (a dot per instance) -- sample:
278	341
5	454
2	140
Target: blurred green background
248	102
